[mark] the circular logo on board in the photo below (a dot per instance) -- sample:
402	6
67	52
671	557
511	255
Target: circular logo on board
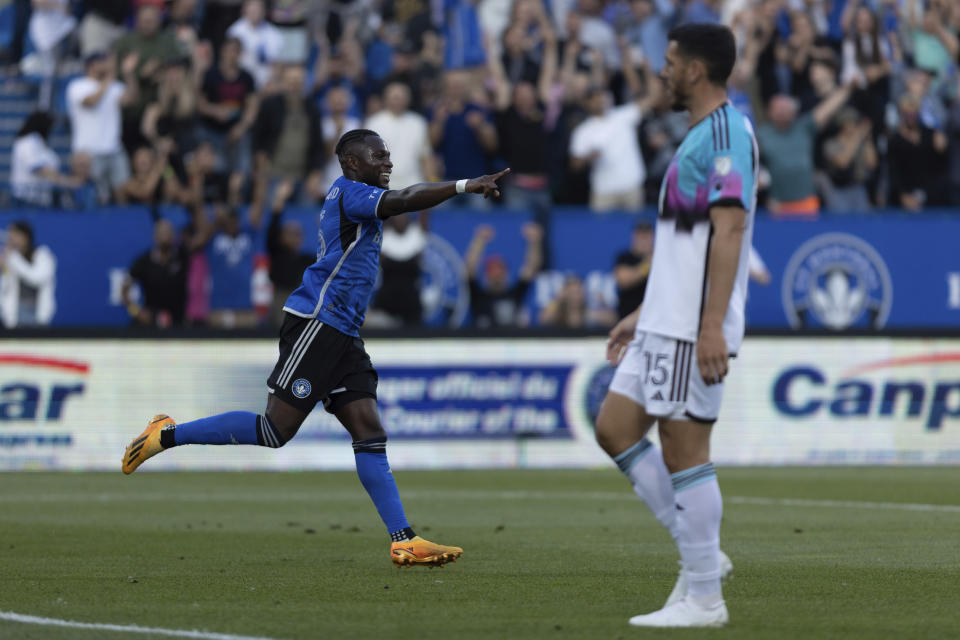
301	388
837	281
444	291
596	391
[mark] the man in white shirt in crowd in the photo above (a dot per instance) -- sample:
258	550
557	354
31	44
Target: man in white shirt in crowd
94	103
407	136
27	281
262	42
607	142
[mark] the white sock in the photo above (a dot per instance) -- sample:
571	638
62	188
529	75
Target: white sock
643	465
699	509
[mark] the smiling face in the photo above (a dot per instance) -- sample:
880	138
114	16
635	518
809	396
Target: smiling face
369	162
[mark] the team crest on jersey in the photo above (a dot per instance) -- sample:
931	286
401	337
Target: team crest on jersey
723	165
301	388
837	281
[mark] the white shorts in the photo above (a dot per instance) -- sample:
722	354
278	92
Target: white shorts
661	375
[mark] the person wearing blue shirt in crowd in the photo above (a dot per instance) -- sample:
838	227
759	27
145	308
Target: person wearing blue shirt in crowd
322	358
230	256
462	133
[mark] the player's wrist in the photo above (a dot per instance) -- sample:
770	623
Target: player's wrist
461	185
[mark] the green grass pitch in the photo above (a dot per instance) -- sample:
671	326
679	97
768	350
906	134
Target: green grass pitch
547	554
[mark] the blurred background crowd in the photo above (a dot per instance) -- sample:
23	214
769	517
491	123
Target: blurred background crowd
230	109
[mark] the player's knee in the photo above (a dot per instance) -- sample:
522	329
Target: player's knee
276	431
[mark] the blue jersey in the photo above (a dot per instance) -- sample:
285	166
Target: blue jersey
231	268
715	166
337	287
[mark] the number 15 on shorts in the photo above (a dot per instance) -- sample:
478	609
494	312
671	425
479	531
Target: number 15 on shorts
657	368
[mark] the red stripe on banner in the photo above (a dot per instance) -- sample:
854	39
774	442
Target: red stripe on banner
932	358
51	363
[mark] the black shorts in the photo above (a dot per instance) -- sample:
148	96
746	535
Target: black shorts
320	364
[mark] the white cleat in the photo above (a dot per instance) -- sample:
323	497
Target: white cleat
680	586
684	613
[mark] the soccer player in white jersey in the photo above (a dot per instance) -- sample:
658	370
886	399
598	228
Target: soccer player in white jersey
673	351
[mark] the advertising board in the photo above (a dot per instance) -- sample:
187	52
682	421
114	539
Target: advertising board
475	403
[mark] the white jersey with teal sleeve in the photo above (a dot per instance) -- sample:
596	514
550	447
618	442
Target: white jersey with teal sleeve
715	166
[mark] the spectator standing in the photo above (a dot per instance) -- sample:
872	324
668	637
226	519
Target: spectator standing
27	279
407	137
228	104
230	256
172	118
463	133
787	150
262	41
288	139
632	268
94	103
495	302
608	142
850	158
161	273
102	24
917	157
154	47
520	116
35	167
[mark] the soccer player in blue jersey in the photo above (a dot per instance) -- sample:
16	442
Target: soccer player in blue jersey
672	352
322	358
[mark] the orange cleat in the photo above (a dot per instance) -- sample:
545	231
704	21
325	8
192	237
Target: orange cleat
422	552
146	445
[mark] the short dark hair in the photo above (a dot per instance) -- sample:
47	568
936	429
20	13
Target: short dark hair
352	137
712	44
37	122
26	229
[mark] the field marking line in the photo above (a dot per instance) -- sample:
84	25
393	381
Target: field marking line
125	628
469	494
845	504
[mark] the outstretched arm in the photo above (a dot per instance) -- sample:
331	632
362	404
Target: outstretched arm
429	194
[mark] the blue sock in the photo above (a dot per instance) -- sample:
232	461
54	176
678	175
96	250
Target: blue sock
377	479
234	427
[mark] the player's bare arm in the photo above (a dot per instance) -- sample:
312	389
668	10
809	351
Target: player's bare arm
729	223
429	194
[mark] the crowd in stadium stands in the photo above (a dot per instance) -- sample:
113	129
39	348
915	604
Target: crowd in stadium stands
216	105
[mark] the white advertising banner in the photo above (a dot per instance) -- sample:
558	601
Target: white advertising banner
74	404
